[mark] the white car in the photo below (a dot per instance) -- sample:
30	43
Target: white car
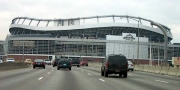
10	60
130	66
1	61
47	61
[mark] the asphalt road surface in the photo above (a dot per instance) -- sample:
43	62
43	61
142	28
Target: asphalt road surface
83	78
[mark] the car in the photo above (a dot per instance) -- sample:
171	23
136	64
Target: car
84	63
130	66
38	63
64	63
55	62
10	60
75	62
1	61
28	61
47	61
114	64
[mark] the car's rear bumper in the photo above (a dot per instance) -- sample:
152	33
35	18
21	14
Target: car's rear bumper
130	67
38	65
64	66
116	70
75	64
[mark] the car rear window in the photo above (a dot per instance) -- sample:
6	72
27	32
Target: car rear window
65	61
121	59
57	60
129	62
75	59
38	60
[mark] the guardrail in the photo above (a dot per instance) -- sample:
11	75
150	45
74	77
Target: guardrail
174	71
13	65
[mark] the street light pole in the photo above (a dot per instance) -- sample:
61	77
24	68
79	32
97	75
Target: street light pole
23	51
138	45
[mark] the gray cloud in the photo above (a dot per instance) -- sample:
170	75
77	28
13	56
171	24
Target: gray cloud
163	11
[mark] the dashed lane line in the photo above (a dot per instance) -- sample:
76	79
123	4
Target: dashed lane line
40	78
102	80
161	81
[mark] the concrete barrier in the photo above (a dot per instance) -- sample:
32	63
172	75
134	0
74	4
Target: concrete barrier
172	71
94	64
146	68
178	72
152	69
158	69
164	70
12	65
138	67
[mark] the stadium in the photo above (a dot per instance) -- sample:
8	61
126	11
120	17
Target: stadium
88	38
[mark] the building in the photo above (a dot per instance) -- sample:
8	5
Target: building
90	38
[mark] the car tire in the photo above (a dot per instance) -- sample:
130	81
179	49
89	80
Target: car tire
87	65
69	68
33	67
78	66
58	68
102	73
132	70
53	65
44	67
125	74
105	74
120	74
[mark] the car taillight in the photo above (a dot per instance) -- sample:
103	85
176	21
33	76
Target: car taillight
107	64
43	63
127	64
34	62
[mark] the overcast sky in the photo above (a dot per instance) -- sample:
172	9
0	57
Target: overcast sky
165	12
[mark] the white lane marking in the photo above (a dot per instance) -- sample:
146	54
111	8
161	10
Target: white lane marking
52	70
40	78
101	80
129	74
48	72
161	81
89	74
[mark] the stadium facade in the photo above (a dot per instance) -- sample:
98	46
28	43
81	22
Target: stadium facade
88	37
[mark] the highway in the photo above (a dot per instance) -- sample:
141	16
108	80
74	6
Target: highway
83	78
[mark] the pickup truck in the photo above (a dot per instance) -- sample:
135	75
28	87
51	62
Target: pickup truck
75	62
47	61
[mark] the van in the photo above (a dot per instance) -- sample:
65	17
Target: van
10	60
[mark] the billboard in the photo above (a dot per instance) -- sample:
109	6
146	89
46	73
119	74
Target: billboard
24	43
176	60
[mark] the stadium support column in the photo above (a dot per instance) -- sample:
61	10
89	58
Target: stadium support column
165	40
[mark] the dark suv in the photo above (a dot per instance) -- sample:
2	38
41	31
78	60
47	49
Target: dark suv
55	62
64	63
75	62
114	64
